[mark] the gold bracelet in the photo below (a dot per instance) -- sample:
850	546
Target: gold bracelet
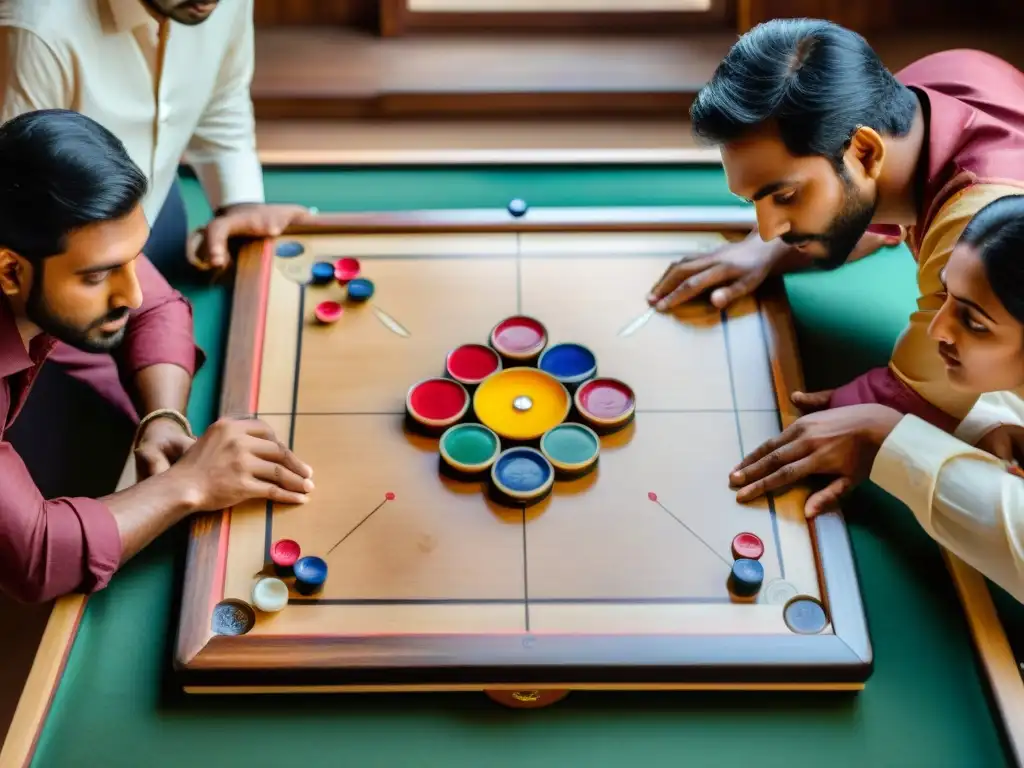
162	413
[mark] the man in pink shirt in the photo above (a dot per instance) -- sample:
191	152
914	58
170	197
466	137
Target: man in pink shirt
71	271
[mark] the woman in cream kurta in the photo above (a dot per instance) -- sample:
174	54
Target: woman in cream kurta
963	488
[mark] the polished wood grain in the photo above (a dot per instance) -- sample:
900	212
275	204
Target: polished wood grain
594	219
869	16
399	599
240	386
401	17
285	13
335	72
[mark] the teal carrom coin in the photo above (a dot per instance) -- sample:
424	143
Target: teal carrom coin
571	448
470	447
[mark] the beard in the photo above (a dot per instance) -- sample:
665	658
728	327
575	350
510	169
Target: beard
86	339
180	11
845	230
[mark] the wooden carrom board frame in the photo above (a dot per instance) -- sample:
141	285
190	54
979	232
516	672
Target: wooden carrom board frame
409	635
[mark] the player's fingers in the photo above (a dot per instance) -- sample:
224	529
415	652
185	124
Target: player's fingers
785	475
675	274
812	401
216	240
1000	444
277	494
150	462
697	284
743	286
276	451
828	497
280	475
787	435
772	462
255	428
196	252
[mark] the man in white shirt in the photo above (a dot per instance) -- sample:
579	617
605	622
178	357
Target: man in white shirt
170	78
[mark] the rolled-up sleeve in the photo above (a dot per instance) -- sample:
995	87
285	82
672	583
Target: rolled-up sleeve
964	498
50	548
222	150
159	331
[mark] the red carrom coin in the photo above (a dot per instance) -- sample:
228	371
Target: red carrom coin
747	546
519	337
285	553
437	403
472	363
605	404
328	311
346	269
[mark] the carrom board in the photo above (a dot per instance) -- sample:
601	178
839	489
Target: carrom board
618	579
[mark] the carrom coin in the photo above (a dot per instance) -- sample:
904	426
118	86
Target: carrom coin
232	617
468	449
805	615
521	476
568	362
298	270
571	448
435	404
605	404
470	364
778	592
519	339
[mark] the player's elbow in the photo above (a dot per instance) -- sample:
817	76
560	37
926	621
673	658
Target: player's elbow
31	591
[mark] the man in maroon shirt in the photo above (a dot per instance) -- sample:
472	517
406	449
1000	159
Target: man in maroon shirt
71	232
828	145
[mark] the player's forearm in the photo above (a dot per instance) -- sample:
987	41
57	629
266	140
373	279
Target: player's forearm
164	385
147	509
882	386
962	497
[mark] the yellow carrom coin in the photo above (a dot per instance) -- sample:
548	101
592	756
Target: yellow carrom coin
521	403
476	528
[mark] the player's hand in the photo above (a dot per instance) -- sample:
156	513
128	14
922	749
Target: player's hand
1005	442
161	444
731	272
812	402
239	460
842	442
208	247
738	269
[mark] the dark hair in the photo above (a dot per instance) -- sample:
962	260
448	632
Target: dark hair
816	80
996	232
61	171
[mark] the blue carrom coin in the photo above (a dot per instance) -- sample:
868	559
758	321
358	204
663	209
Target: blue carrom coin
360	289
323	273
310	575
570	363
522	475
289	249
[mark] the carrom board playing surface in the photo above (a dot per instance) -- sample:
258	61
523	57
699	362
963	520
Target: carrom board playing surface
617	579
